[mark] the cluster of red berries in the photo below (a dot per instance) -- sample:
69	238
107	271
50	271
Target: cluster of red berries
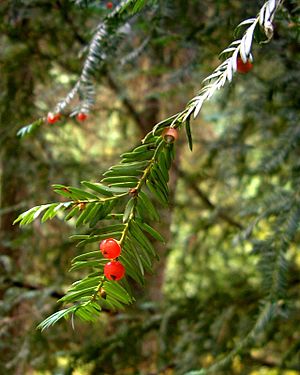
109	5
52	118
110	249
243	67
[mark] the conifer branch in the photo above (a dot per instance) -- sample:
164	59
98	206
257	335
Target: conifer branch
96	55
225	71
266	315
143	170
146	165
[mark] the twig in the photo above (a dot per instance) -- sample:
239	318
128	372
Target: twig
208	203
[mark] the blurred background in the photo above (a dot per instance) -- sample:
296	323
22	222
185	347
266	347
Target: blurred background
232	226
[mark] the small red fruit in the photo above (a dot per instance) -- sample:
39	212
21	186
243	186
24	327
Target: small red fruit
170	135
110	248
243	67
81	116
114	270
52	118
109	5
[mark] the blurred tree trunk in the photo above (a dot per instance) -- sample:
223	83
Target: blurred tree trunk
16	103
145	120
150	117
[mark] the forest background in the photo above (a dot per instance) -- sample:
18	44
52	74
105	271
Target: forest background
231	228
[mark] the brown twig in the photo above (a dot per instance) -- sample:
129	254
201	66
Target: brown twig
208	203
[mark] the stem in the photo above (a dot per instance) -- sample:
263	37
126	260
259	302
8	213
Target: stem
94	296
138	189
101	200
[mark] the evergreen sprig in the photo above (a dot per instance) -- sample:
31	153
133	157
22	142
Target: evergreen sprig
225	71
96	55
107	33
141	172
266	315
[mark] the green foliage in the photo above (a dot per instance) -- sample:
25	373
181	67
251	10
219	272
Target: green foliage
30	128
148	165
245	177
136	5
145	166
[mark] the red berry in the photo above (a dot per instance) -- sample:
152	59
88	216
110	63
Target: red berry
52	118
109	5
170	135
110	248
243	67
114	270
81	116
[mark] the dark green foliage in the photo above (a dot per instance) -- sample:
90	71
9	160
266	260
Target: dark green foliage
156	157
137	251
230	295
